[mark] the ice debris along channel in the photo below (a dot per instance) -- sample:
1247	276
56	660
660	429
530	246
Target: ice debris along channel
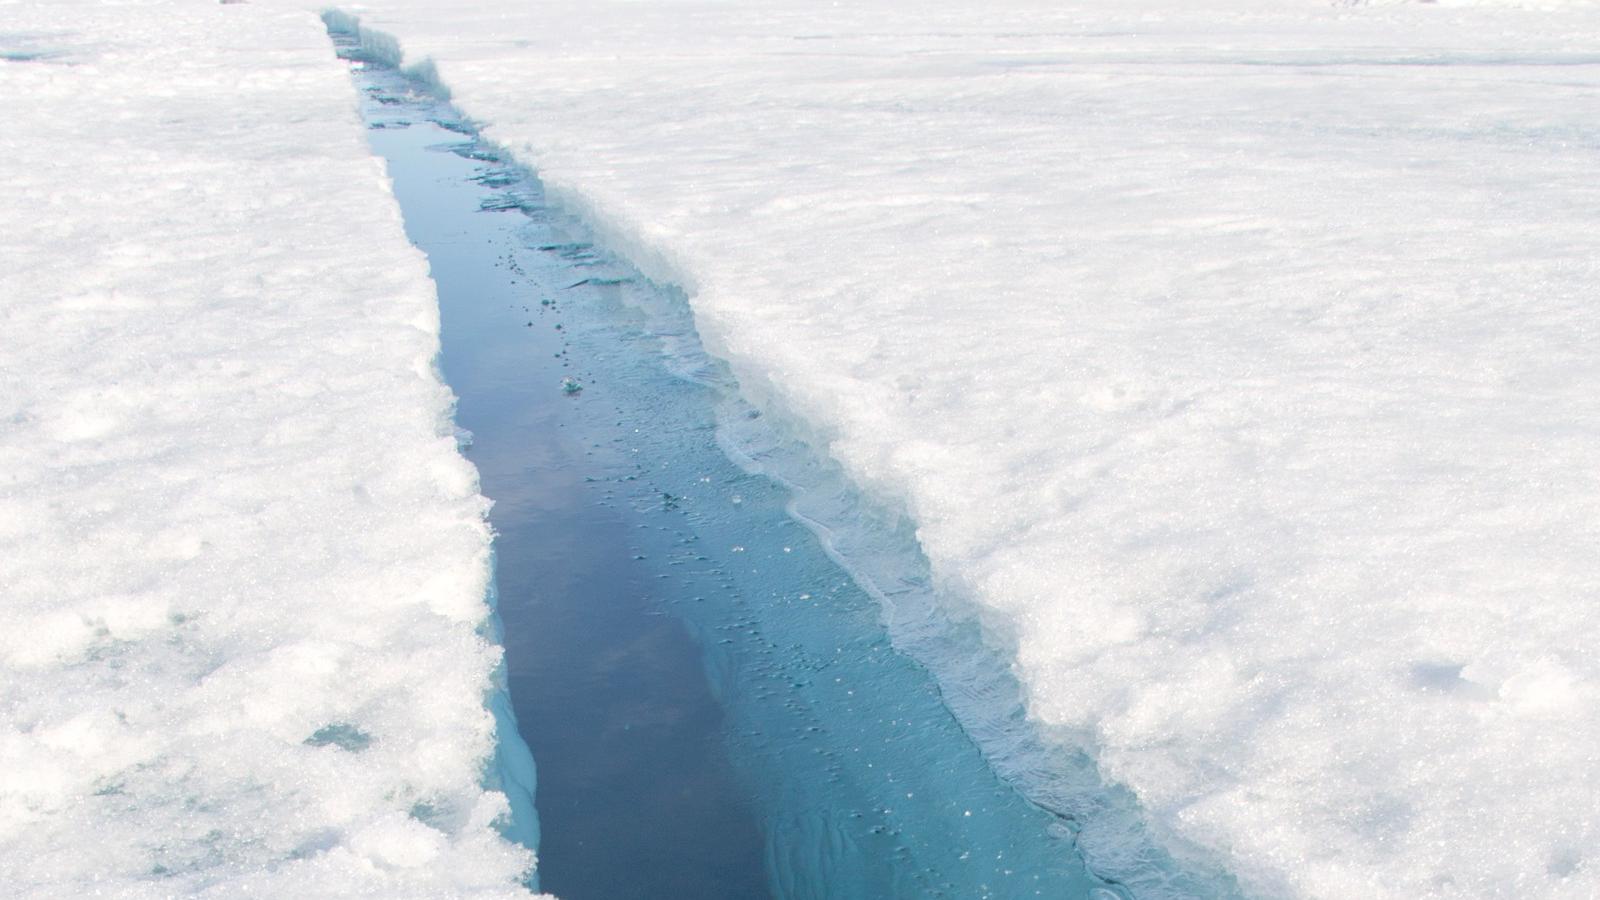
715	703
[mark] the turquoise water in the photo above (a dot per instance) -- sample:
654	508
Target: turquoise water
714	702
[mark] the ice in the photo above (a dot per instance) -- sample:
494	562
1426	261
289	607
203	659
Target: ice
245	569
1234	358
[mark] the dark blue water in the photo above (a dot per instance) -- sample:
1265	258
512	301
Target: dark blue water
713	702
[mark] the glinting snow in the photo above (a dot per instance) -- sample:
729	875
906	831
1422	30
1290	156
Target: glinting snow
1236	359
243	565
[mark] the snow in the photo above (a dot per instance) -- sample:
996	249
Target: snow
1234	358
244	567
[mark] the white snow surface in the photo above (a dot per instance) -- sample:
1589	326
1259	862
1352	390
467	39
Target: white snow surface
1236	358
243	565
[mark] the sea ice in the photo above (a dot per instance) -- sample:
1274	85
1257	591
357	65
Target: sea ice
244	567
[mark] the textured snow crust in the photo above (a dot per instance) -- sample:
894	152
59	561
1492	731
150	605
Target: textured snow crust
1236	358
243	566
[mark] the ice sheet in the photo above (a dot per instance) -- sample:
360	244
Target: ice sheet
244	567
1236	358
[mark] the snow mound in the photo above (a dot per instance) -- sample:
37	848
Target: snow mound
244	567
1236	358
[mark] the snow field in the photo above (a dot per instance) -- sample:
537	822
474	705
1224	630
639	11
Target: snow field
243	565
1235	359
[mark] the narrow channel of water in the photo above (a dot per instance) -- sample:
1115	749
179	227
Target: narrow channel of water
713	702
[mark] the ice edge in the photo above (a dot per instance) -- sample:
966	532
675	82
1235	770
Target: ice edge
512	770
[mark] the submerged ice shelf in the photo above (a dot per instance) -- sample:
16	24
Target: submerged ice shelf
716	705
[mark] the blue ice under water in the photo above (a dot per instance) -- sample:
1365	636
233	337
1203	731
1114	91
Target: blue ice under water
730	667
